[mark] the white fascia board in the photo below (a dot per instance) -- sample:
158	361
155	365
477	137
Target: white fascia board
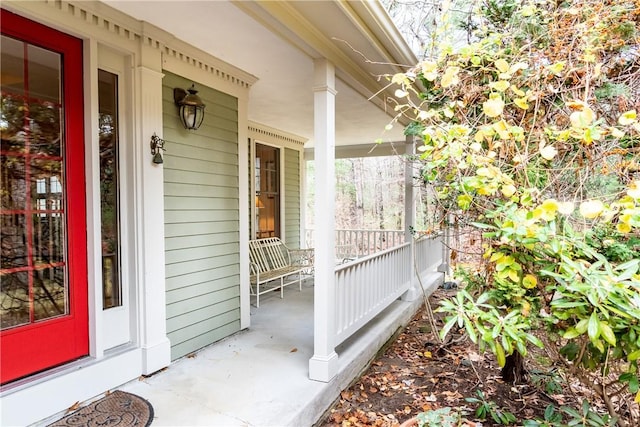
394	43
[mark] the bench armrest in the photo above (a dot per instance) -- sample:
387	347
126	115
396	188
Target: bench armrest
302	257
254	269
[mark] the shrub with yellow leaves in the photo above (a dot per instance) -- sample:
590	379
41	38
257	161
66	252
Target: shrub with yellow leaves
530	133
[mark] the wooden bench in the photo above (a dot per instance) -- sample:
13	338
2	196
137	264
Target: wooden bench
273	266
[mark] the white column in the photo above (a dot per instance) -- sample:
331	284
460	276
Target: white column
323	366
151	298
410	215
243	158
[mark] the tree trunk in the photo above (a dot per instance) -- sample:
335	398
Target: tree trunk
514	371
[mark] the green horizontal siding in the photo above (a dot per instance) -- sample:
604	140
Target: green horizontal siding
199	279
214	331
191	290
198	306
201	178
181	242
195	253
202	264
292	197
186	215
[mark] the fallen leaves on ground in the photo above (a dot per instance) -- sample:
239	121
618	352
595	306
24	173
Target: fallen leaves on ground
416	374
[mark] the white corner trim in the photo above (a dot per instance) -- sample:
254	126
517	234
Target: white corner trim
156	356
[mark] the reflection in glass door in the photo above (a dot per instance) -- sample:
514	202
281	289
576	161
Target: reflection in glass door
114	193
267	191
43	307
109	188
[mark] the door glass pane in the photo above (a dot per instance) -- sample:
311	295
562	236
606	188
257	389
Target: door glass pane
14	252
33	283
109	188
43	76
15	290
47	203
268	191
12	66
44	122
49	293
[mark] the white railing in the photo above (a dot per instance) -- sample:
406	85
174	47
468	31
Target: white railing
368	285
428	253
362	289
364	242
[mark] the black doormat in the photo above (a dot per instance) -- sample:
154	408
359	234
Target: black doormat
118	409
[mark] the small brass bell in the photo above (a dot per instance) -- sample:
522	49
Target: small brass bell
157	158
157	147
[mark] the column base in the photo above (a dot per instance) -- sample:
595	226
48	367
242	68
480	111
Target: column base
156	357
323	368
412	294
443	268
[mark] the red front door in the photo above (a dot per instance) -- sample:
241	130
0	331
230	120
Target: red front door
43	266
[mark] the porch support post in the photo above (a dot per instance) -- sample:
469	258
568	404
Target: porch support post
150	275
446	244
323	366
410	215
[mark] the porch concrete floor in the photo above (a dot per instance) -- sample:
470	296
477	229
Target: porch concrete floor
259	377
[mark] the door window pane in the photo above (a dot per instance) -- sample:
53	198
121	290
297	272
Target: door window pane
33	282
267	191
109	189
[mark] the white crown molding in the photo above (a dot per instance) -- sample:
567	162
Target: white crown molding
271	135
95	19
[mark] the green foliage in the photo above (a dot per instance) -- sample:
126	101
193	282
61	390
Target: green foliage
499	12
626	30
486	409
443	417
611	90
552	418
530	139
475	281
616	247
586	417
414	128
550	382
570	417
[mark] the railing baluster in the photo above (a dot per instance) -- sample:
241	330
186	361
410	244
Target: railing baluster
366	242
382	272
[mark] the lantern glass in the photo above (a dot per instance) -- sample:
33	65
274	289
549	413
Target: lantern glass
191	116
190	107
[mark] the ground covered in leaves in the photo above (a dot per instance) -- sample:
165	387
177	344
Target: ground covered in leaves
416	373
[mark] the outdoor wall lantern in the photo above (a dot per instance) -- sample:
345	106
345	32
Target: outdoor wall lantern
190	107
157	147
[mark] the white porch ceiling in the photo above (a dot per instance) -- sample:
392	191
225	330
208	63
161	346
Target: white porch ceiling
278	41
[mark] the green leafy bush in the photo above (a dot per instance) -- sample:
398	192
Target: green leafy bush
529	135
